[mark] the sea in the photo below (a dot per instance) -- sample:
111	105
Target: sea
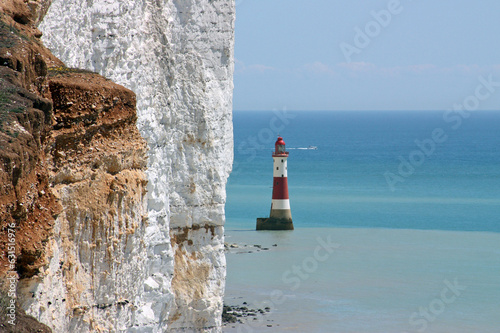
396	215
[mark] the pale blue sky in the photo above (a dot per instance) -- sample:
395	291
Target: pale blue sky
428	57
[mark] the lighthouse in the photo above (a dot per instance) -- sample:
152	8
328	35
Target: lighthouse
280	217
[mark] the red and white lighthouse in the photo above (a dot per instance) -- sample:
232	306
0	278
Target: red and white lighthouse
280	217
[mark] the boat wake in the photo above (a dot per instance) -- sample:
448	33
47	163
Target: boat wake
306	148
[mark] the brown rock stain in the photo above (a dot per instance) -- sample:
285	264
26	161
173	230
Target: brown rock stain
70	154
178	236
191	272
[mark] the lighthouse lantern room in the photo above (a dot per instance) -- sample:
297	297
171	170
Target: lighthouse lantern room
280	217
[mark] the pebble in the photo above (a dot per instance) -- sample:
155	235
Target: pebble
236	314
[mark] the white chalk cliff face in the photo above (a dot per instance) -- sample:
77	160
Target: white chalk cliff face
177	56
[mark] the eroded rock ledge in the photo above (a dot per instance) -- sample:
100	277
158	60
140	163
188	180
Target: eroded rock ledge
72	184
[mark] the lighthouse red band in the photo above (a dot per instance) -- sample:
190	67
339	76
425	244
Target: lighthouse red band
280	207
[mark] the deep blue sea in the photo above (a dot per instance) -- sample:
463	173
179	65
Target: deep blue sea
396	215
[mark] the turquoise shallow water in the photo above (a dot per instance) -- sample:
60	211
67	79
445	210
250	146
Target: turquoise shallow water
399	246
374	280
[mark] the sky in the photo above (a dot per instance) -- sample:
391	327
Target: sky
367	55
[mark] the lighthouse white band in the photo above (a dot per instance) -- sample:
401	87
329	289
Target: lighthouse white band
281	204
280	168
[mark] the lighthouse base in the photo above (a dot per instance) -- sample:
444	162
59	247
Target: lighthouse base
271	223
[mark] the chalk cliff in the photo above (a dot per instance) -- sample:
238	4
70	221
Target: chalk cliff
116	229
167	271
